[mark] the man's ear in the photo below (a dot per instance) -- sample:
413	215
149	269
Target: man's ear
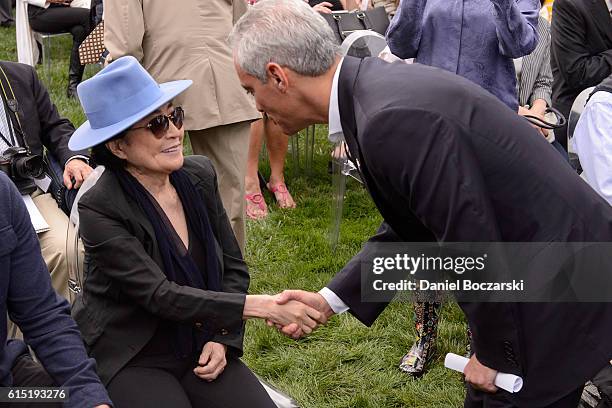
116	148
278	76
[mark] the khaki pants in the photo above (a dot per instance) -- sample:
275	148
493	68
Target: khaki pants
227	146
57	250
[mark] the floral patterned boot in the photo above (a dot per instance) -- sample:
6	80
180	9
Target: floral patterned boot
426	322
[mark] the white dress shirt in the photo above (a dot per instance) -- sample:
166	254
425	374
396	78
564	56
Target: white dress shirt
334	125
335	135
609	4
39	3
5	129
593	143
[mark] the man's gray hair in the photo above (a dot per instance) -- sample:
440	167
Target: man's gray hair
286	32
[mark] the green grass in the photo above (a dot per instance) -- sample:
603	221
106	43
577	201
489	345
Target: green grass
344	364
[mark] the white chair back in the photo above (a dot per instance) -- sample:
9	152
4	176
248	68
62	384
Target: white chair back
73	254
363	43
576	111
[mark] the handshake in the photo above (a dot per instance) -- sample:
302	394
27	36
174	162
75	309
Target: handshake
295	313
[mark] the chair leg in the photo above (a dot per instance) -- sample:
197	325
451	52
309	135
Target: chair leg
309	149
295	152
47	58
339	190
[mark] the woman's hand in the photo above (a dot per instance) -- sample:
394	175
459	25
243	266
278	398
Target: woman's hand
212	361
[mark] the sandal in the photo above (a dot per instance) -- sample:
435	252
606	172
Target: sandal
256	201
283	198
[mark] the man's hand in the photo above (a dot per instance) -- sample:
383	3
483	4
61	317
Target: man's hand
77	169
299	316
323	7
212	361
479	376
314	300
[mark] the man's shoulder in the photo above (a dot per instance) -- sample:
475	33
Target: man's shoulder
7	194
400	87
17	71
568	5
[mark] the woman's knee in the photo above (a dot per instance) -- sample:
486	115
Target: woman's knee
136	387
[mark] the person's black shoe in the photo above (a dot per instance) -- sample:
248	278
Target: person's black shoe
75	72
7	23
71	91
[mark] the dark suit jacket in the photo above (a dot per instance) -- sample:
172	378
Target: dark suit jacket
581	51
445	161
126	293
42	315
41	122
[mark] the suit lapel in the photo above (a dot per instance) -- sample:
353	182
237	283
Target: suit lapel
601	16
346	83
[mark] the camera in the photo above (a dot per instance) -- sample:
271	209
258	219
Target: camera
22	168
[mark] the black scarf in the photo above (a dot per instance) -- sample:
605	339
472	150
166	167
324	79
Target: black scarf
180	268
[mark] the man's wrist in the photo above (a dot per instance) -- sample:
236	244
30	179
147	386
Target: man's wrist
335	304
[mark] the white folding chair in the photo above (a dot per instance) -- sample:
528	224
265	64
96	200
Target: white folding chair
572	120
361	44
73	254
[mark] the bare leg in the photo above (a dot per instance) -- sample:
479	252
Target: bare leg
277	143
255	204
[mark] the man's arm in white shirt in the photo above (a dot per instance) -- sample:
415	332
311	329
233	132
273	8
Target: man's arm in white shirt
336	304
593	142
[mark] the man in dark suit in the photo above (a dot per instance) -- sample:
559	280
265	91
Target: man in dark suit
28	118
27	297
444	161
581	51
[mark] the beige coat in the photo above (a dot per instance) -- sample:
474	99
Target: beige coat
184	39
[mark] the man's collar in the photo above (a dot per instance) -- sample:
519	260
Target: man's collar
334	124
609	5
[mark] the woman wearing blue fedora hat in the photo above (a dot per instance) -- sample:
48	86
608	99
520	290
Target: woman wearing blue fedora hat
164	298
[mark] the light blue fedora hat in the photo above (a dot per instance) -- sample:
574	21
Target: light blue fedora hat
118	96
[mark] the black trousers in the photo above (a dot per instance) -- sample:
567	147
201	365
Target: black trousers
164	381
27	373
61	19
503	399
6	14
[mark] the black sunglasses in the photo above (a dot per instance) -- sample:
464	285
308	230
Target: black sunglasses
159	125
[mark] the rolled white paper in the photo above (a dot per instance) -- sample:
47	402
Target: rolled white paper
508	382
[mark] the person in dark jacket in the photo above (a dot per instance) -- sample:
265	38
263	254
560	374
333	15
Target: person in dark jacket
43	317
56	16
445	162
581	51
29	119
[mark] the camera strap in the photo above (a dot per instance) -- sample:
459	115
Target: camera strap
11	108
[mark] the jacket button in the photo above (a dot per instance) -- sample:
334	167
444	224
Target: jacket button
224	332
198	325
